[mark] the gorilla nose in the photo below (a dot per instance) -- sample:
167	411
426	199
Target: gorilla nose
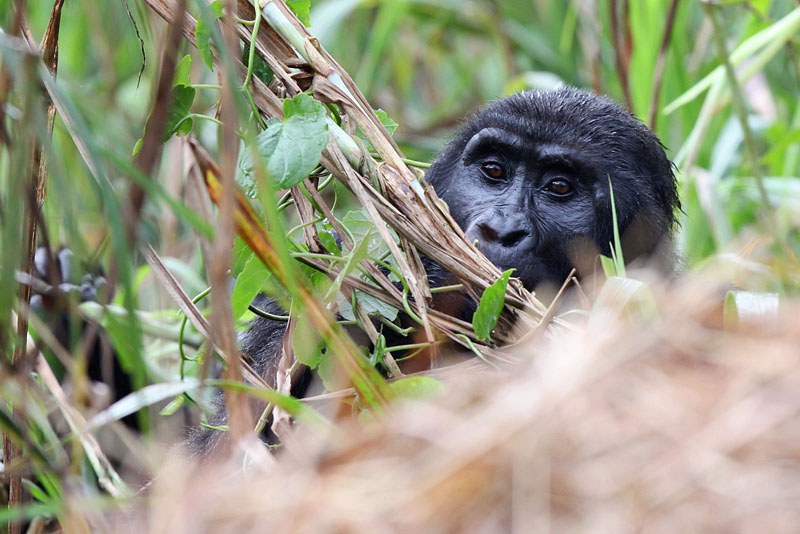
507	237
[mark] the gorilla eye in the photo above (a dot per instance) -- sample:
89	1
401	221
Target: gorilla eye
559	187
493	170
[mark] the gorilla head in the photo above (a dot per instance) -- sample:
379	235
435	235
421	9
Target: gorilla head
528	179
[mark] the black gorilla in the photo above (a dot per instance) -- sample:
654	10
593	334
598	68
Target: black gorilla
530	179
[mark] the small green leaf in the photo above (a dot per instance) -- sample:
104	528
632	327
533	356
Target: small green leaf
301	8
388	123
327	236
182	71
202	34
291	149
485	318
303	104
181	98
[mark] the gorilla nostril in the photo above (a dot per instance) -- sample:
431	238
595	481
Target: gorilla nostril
512	238
488	234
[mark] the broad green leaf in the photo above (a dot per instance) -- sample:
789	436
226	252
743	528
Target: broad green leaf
291	149
202	34
485	318
301	8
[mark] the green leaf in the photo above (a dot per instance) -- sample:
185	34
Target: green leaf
307	343
358	253
291	149
260	68
327	236
178	121
485	318
609	268
616	247
301	8
181	98
417	387
241	255
359	224
370	304
202	34
388	123
182	71
249	283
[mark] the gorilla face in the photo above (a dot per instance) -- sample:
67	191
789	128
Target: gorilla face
528	180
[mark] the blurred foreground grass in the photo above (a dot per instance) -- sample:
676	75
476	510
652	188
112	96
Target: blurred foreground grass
656	416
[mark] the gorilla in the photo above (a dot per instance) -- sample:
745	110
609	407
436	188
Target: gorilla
530	180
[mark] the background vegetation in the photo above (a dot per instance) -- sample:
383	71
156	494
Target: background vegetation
718	82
